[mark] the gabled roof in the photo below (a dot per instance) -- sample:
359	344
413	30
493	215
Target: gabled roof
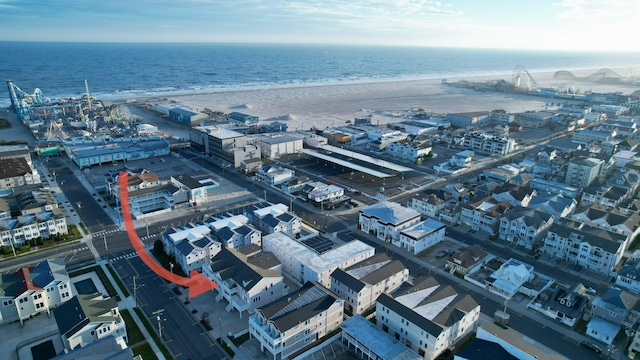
229	265
620	299
606	240
368	272
81	310
290	310
429	305
531	217
480	349
47	271
631	270
470	256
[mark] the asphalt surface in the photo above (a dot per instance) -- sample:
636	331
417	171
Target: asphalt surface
185	337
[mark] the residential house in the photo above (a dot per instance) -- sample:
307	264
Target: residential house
590	247
191	246
420	236
296	320
235	232
276	218
430	202
408	150
301	263
15	172
514	195
274	175
32	290
557	205
563	304
321	194
629	276
87	318
583	171
509	278
524	227
246	282
428	318
614	220
17	231
362	283
604	195
484	215
612	311
466	260
387	219
489	144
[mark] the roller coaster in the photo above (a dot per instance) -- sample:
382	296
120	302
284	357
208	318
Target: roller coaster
604	76
21	101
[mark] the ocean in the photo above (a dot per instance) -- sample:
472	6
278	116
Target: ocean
126	70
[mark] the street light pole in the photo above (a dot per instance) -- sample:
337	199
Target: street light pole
104	237
158	313
135	293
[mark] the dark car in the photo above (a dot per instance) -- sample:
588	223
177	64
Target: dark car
591	346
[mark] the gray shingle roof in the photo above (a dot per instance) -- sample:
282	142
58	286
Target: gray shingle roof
308	301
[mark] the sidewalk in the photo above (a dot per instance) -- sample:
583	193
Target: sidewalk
128	303
73	216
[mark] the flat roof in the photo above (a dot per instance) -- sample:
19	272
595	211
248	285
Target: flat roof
311	259
366	158
376	340
363	169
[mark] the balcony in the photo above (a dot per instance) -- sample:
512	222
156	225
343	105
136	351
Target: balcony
239	304
267	337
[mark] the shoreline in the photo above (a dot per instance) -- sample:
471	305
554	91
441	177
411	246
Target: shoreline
304	106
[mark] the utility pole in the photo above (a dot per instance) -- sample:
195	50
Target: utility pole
135	293
158	314
146	220
104	237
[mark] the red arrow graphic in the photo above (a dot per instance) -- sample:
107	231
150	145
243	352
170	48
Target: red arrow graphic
196	282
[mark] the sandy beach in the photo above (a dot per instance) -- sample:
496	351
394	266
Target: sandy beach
332	105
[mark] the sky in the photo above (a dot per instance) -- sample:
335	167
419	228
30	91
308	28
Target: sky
575	25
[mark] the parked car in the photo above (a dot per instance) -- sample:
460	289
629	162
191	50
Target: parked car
591	346
443	253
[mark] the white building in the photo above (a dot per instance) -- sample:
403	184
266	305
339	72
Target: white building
16	172
361	336
484	215
274	175
191	246
246	282
583	171
629	276
274	145
386	219
15	232
362	283
593	248
408	150
490	144
428	318
296	320
235	232
421	236
87	318
524	227
277	218
507	280
32	290
320	193
198	190
302	264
